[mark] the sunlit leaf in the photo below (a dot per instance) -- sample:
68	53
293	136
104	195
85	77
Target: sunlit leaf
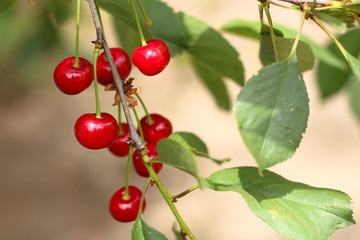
142	231
272	111
296	210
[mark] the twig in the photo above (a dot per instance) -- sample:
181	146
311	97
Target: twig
119	85
320	2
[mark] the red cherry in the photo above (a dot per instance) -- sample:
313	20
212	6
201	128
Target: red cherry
159	129
139	163
96	133
152	58
73	80
126	210
122	63
120	147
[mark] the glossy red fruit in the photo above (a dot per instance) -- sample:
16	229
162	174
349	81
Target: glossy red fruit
159	129
96	133
122	63
139	163
73	80
126	210
120	147
152	58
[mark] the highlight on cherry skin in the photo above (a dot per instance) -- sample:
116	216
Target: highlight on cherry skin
122	63
139	163
152	58
96	133
160	128
73	80
120	147
126	210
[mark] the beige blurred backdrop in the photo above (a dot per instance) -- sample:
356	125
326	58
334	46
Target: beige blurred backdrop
51	188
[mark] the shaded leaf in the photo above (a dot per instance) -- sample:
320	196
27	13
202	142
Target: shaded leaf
284	45
355	5
195	144
330	79
166	26
338	19
272	111
175	154
252	29
354	64
354	97
142	231
6	4
129	39
296	210
61	9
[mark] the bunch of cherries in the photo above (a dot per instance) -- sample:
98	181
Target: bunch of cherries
101	130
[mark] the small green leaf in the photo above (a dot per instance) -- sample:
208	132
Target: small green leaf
296	210
331	80
284	45
252	29
195	144
175	154
213	58
142	231
272	111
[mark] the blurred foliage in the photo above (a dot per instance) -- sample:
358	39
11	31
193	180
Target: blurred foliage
32	39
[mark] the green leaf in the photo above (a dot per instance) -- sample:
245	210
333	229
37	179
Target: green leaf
129	39
175	154
6	4
354	97
353	6
252	29
166	26
142	231
354	64
195	144
331	80
272	111
284	45
296	210
213	57
338	19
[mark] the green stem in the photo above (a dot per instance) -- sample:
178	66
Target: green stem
184	228
332	37
121	130
96	55
98	12
126	194
148	21
143	195
139	126
184	193
76	63
150	121
272	33
297	39
142	38
357	18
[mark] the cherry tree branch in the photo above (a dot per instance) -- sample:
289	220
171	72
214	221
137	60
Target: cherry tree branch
320	2
118	82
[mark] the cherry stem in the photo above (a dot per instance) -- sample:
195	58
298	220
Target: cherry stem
184	193
76	63
184	228
121	130
142	38
147	19
126	194
297	39
143	195
150	121
98	12
96	55
273	37
139	125
117	80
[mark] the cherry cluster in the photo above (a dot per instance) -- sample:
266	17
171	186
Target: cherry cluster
101	130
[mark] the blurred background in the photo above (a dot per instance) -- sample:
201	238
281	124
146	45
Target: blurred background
51	188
